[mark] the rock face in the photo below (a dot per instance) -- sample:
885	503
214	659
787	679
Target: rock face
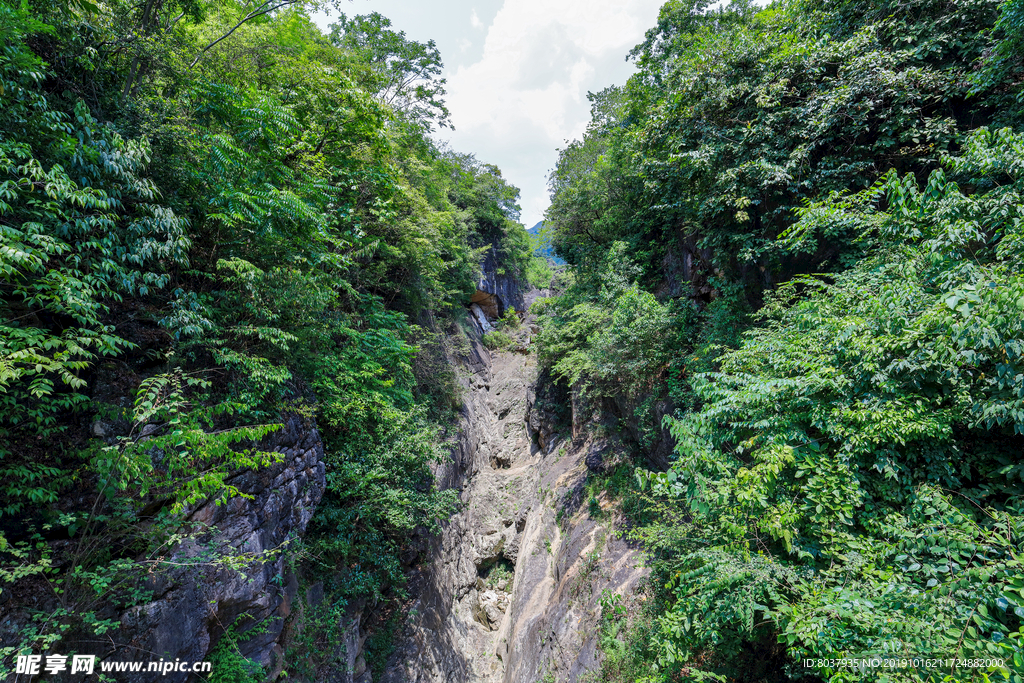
497	290
510	592
195	602
230	569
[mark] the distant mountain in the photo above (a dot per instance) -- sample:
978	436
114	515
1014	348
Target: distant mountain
542	243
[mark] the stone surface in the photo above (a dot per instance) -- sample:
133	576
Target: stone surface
497	289
514	474
480	316
198	596
194	603
507	592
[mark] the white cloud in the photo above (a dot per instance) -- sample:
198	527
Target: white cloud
526	95
519	70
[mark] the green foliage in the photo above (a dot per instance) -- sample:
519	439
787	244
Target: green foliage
606	334
405	73
169	456
1002	67
830	437
171	449
612	614
228	665
498	341
626	634
510	320
846	371
501	570
381	644
80	227
218	209
319	635
380	490
736	117
539	273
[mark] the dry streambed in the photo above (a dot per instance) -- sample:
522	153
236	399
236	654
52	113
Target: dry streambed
510	591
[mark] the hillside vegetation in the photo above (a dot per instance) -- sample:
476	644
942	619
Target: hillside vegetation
794	247
796	242
213	215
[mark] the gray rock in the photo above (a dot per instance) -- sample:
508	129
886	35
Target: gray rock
544	619
198	600
595	460
504	288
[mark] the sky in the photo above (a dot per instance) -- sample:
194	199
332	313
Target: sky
519	71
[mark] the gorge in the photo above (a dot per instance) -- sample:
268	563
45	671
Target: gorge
288	391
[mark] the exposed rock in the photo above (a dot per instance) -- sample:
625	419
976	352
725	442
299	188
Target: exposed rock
543	425
583	410
489	608
198	600
541	615
486	303
417	545
497	291
149	430
353	668
194	601
505	593
657	449
479	316
495	280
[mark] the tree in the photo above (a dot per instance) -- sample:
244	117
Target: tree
405	72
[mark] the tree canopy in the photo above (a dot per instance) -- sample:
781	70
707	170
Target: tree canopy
212	216
794	241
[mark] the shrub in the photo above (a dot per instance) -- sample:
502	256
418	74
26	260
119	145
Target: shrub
852	470
498	341
607	335
228	665
510	320
539	273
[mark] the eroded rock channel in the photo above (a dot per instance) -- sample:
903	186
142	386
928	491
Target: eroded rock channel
510	589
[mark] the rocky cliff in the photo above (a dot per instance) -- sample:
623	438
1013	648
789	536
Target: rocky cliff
230	570
497	290
195	603
509	591
511	588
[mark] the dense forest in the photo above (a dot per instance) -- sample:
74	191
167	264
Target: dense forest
796	256
214	215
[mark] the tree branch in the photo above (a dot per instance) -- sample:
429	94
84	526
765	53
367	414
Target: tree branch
173	21
248	17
